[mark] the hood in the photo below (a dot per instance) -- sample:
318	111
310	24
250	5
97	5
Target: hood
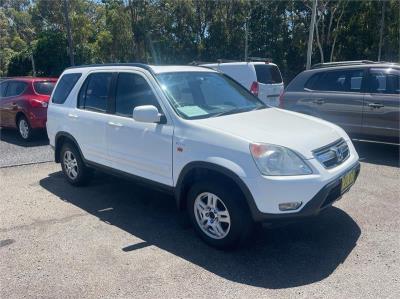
295	131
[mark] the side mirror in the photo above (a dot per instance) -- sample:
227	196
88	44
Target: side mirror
146	114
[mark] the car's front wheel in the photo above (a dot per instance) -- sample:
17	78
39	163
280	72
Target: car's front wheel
219	214
75	171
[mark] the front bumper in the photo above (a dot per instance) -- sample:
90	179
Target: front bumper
324	198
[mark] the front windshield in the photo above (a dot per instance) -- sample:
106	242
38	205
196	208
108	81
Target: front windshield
197	95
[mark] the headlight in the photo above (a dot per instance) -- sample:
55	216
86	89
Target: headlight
278	160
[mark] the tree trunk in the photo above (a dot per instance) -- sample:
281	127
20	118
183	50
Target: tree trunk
381	30
311	34
69	35
132	28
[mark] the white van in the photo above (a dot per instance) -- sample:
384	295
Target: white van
263	79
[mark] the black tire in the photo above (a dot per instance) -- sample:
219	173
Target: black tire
83	173
241	223
24	128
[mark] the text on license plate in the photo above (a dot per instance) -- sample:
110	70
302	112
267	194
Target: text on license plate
348	180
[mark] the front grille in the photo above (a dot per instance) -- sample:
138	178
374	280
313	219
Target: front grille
332	154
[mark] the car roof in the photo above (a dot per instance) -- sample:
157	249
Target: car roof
240	63
30	79
357	65
158	69
154	69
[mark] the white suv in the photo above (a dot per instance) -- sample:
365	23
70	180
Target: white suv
229	159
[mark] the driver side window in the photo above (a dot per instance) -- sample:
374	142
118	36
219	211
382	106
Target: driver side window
133	91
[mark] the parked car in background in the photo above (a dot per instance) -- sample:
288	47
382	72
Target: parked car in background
263	79
363	97
228	158
23	103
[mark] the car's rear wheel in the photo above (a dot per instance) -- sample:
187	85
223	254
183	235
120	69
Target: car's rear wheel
219	214
75	171
24	128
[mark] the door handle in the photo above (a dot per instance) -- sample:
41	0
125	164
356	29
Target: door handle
71	115
318	101
111	123
375	105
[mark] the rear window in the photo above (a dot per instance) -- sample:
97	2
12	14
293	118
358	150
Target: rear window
268	74
64	87
44	87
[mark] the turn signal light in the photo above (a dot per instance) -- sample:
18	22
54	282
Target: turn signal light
289	206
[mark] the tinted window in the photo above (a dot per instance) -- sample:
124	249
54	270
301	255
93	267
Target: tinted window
3	88
44	87
206	94
386	81
15	88
343	80
133	91
95	92
64	87
268	74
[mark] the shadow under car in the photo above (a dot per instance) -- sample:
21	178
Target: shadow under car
288	256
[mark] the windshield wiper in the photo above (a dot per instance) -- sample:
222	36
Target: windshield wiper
235	110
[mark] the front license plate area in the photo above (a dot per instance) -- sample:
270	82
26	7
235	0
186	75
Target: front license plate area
348	180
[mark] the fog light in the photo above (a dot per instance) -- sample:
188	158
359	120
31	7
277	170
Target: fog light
288	206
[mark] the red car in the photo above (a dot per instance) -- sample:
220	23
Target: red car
23	103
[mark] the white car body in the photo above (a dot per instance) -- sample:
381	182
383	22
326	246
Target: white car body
245	73
160	152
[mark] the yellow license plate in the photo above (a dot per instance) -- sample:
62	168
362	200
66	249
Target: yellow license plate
348	180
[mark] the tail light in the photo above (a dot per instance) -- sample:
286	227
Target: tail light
37	103
254	88
281	104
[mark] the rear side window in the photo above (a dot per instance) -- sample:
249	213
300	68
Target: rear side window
15	88
44	87
384	81
95	92
268	74
64	87
132	91
3	89
343	80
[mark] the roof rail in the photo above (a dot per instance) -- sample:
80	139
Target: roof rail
140	65
341	63
221	60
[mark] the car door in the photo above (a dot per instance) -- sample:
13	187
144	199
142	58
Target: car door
337	96
381	106
88	120
11	104
138	148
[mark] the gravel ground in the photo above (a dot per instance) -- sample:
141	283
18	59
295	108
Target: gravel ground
113	239
15	151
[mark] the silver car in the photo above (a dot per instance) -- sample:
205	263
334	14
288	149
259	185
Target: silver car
363	97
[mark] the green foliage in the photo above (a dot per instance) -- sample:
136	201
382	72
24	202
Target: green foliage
180	31
50	53
20	65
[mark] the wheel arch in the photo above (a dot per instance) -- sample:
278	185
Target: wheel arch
18	116
194	170
60	139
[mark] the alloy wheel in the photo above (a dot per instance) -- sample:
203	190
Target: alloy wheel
212	215
71	165
24	128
